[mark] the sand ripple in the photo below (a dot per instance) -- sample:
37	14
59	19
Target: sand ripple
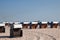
38	36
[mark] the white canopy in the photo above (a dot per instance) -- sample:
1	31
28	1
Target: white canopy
34	22
55	22
44	22
2	24
17	25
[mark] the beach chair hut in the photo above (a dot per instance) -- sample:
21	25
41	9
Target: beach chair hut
26	25
34	25
44	24
2	28
55	24
17	32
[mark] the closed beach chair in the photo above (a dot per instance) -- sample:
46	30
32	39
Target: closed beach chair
34	25
17	32
55	24
26	25
44	24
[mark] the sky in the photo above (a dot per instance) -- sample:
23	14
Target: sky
29	10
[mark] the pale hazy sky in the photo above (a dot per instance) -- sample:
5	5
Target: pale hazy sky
29	10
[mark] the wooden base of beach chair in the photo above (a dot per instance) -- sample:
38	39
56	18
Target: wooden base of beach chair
17	32
33	26
43	26
2	30
25	26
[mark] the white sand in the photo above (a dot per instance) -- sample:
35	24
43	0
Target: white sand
38	34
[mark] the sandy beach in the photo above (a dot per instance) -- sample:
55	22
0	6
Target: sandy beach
38	34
